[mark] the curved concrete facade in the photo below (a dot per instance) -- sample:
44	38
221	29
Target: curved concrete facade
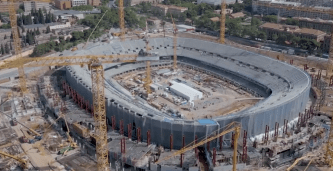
285	88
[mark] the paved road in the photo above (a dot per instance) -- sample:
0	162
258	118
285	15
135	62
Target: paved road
14	73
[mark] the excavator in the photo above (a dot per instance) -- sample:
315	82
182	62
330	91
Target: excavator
72	144
24	163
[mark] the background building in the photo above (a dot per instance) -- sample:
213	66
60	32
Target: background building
326	43
63	4
273	28
275	8
164	9
78	2
319	24
94	2
4	6
32	5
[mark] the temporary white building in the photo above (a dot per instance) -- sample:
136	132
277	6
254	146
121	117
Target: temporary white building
185	91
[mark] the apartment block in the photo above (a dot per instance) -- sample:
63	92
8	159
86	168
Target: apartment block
33	5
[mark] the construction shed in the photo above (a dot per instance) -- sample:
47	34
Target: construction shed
185	91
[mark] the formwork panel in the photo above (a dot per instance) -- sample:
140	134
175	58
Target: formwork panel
177	131
166	132
156	132
188	133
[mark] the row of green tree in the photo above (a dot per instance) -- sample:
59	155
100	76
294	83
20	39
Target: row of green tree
6	49
38	18
77	37
291	40
111	19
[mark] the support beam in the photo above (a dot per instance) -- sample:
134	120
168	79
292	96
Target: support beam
221	142
244	157
214	156
171	142
129	131
121	125
138	130
182	154
148	137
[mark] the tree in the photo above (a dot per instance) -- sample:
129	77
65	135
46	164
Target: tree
281	39
5	37
182	17
2	50
77	35
237	7
291	21
163	24
6	48
53	18
255	22
234	27
48	30
270	18
262	35
274	37
37	31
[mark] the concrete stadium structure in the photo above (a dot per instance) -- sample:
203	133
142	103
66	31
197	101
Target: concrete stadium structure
285	88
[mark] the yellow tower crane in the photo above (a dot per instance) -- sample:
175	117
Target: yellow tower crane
222	22
174	44
17	45
234	126
97	76
24	163
148	76
329	146
121	20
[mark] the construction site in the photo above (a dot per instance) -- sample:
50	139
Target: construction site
165	104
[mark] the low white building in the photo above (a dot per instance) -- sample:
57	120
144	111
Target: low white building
217	2
185	28
185	91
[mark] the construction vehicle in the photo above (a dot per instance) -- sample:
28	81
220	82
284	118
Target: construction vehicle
74	48
234	126
299	159
23	162
38	136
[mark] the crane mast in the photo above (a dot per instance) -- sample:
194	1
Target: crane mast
17	45
174	44
121	20
222	22
148	76
97	79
